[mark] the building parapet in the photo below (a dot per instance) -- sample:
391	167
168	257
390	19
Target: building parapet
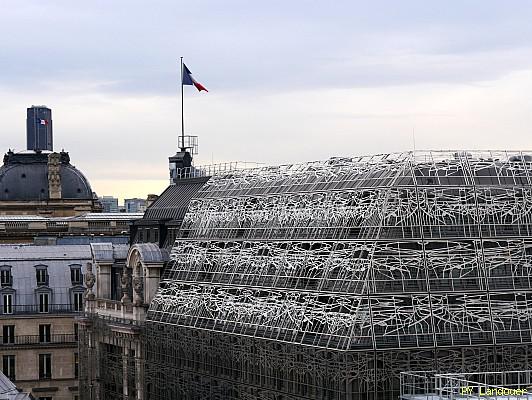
88	224
113	306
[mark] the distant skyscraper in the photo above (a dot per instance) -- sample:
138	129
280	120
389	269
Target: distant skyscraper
39	128
135	205
110	204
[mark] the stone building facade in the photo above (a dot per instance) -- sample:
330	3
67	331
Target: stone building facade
121	284
41	292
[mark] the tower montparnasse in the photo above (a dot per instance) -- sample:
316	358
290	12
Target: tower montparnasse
39	133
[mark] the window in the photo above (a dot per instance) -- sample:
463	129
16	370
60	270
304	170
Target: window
44	333
78	301
44	300
8	334
8	366
7	307
42	276
5	277
75	276
44	398
76	365
76	332
45	366
115	283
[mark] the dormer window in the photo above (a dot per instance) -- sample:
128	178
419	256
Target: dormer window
75	275
41	274
6	279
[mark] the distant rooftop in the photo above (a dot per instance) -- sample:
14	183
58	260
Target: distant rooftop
10	252
83	217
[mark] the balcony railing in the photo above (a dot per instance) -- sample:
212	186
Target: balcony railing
38	309
112	319
114	305
25	340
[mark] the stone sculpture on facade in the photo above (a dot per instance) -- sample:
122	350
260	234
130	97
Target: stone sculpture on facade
138	286
124	280
54	175
90	279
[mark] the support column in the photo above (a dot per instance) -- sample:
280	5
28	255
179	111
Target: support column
95	366
125	369
103	286
139	367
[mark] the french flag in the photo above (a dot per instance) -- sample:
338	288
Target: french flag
42	121
187	79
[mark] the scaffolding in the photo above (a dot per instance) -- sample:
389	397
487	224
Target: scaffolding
111	358
326	280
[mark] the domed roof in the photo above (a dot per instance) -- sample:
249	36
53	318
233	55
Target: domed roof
24	177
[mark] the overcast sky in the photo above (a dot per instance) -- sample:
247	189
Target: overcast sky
288	81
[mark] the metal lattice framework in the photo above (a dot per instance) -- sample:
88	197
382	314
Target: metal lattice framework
110	362
326	279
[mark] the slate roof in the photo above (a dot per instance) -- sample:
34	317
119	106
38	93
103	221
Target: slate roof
173	202
151	253
9	252
109	251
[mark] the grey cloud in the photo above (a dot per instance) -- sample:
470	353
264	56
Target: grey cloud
243	46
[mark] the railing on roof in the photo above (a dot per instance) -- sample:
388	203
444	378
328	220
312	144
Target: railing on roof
215	169
420	156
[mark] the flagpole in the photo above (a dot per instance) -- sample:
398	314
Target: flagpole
182	112
35	145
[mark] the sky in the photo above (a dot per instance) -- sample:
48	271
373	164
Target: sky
289	81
